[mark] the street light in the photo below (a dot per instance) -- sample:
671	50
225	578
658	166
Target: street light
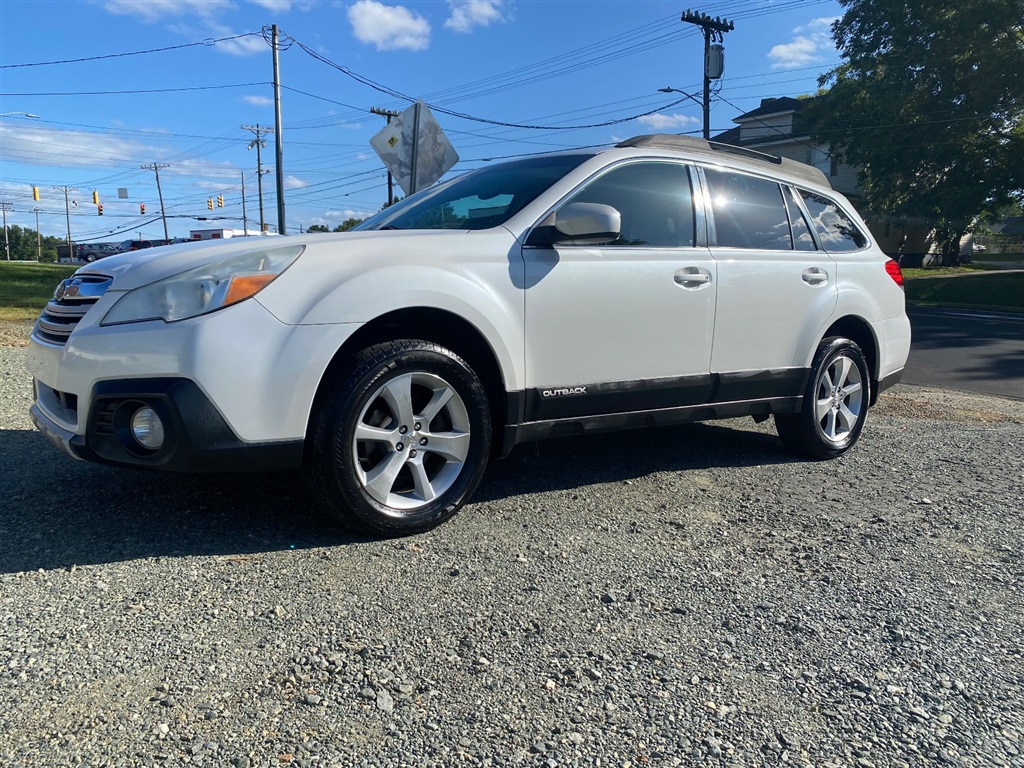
687	95
23	114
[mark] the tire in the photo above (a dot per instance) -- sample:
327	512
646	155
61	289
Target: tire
402	441
835	404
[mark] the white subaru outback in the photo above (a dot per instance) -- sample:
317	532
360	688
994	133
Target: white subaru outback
664	280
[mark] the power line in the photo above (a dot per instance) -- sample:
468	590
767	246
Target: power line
134	92
207	42
443	110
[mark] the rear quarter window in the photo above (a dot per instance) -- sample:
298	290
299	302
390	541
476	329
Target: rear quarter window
835	228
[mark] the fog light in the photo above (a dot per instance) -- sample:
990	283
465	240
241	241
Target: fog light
147	429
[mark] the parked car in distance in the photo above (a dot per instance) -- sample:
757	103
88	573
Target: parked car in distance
134	245
90	252
663	280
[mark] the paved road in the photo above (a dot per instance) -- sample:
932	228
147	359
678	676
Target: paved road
971	351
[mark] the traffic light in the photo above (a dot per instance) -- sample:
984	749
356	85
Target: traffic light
220	201
95	197
142	208
35	193
209	203
99	208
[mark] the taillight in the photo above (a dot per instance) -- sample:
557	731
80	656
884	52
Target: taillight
893	268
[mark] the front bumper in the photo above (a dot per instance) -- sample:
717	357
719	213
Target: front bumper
234	389
197	438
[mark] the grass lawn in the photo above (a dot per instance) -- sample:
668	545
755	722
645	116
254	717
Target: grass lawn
26	286
993	290
910	273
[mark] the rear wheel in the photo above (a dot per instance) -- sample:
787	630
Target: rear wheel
403	441
835	404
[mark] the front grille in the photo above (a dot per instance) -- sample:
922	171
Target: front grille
70	302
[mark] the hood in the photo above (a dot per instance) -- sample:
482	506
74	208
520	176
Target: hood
134	269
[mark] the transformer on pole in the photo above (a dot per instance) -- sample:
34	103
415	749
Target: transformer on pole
714	54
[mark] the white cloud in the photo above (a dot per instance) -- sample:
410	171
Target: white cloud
660	122
466	14
204	168
389	27
258	101
241	46
276	6
208	11
156	10
343	215
293	182
812	45
73	149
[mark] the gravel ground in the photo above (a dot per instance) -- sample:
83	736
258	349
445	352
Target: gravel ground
688	596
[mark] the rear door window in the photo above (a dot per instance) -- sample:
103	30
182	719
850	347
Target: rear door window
749	211
835	229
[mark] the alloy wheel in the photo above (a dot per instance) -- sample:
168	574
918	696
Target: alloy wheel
411	441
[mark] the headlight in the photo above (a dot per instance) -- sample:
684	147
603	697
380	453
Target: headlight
204	289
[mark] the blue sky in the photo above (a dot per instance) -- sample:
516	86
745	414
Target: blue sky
561	65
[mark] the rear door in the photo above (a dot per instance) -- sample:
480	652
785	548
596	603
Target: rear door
629	325
775	291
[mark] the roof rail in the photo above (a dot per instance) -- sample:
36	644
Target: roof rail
693	144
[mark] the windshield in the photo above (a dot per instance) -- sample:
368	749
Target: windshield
479	199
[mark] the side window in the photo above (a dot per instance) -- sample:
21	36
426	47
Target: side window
749	212
654	200
835	229
801	232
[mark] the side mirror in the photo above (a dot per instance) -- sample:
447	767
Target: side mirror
578	224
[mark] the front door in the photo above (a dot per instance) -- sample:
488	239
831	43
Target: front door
626	326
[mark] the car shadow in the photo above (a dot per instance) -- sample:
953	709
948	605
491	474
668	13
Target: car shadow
56	512
570	462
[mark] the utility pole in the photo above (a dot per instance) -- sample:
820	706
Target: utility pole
39	238
245	221
387	113
155	168
278	138
713	29
67	216
259	143
5	207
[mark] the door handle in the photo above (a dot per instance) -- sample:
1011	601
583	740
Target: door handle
814	276
691	277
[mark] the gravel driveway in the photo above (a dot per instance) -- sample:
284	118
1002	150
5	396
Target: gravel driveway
689	596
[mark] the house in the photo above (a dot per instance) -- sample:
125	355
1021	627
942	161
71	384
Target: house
775	128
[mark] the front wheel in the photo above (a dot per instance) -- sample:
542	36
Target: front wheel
835	404
402	442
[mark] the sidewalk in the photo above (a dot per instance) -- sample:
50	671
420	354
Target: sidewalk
1017	265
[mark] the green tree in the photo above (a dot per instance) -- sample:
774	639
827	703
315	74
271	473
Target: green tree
23	244
317	228
929	102
347	224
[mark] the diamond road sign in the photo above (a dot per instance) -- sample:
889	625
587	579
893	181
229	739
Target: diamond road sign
402	147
